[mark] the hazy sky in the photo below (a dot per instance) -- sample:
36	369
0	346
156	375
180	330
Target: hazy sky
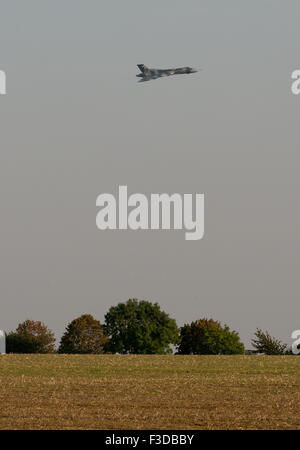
75	123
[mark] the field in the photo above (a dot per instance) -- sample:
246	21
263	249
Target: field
149	392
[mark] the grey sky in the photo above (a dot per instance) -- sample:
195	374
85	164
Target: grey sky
75	123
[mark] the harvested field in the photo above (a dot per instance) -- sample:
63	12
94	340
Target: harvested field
149	392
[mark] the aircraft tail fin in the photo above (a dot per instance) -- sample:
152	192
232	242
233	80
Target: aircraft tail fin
144	69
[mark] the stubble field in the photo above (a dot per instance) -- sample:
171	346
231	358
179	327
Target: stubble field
149	392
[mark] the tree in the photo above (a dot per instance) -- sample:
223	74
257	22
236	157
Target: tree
83	335
139	327
268	344
30	337
208	337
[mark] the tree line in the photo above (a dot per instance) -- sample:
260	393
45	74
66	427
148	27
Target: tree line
138	327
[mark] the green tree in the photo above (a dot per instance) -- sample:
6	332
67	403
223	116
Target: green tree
268	344
139	327
30	337
83	335
208	337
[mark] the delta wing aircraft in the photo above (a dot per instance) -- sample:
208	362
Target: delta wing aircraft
151	74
